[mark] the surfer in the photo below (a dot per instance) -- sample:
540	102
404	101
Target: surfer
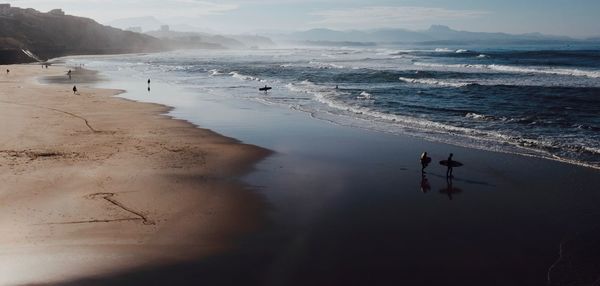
265	89
74	89
336	86
148	82
450	165
424	161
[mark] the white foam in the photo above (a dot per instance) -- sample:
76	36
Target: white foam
365	96
478	116
323	65
427	81
244	77
443	50
518	69
461	51
214	72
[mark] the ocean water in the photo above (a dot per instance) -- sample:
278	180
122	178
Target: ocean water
535	101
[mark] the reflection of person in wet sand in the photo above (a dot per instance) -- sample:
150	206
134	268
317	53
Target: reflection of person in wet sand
425	187
450	190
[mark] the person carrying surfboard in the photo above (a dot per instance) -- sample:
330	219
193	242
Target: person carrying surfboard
450	165
424	161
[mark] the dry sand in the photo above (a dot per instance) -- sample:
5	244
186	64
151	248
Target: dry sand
93	184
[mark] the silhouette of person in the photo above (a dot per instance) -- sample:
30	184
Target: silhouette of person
69	74
74	89
148	81
424	161
450	164
425	186
336	86
7	71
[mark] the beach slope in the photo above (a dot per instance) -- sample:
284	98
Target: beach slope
94	184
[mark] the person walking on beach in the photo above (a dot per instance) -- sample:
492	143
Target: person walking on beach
69	74
424	161
450	165
74	89
7	71
148	82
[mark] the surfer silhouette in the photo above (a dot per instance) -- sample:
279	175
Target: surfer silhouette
265	89
74	89
69	74
424	161
450	165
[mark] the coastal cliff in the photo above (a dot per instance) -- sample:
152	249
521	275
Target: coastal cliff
27	35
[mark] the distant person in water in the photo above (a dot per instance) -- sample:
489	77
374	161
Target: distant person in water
336	86
148	81
450	163
424	161
74	89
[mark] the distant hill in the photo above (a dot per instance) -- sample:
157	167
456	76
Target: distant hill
198	40
54	34
435	34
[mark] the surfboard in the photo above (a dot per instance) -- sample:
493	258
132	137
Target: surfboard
454	163
265	88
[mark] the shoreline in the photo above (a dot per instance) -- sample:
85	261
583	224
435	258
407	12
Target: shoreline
338	198
95	184
342	198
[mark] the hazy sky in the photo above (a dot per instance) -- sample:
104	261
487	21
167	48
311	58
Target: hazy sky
578	18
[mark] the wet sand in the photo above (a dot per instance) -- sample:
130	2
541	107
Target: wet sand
95	185
350	207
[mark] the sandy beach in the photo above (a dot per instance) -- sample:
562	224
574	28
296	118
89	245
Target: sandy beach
100	190
94	184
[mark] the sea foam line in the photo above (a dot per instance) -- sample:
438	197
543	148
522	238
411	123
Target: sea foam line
518	69
434	82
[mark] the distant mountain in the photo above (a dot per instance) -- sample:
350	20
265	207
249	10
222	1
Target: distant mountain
383	35
435	34
26	34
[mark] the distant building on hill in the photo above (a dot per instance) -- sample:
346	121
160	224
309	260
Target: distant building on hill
4	9
57	12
